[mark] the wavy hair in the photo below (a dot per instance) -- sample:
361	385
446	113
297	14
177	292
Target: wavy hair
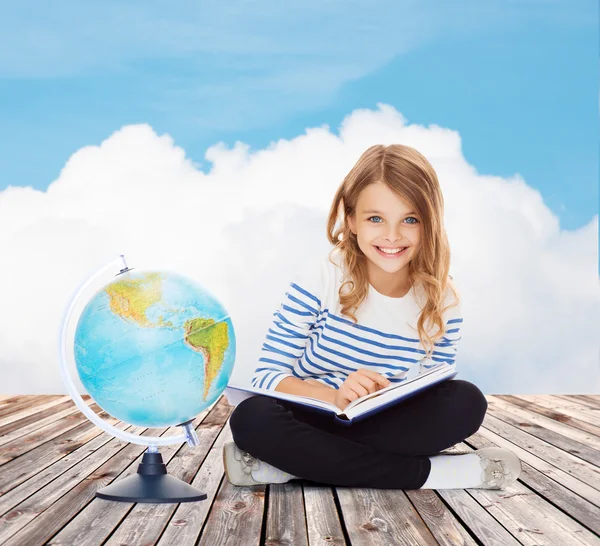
408	173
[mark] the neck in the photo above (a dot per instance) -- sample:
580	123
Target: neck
394	285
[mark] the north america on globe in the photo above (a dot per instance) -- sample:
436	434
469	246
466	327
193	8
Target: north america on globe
154	348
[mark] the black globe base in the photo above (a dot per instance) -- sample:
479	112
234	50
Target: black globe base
151	484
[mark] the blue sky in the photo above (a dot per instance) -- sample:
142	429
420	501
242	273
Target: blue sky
517	79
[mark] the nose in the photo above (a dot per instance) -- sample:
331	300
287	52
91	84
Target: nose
394	236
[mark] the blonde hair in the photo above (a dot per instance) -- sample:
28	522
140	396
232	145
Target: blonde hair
408	173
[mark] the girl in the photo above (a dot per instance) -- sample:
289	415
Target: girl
356	322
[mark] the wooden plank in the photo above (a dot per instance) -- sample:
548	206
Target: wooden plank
16	516
236	516
549	410
322	519
548	419
570	407
576	467
25	403
20	469
67	510
553	433
530	518
371	517
19	446
592	399
145	523
96	518
471	515
189	518
586	401
550	504
522	411
16	398
577	499
286	519
70	505
27	425
572	402
443	524
31	410
237	512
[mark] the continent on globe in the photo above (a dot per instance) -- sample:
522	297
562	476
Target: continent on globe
131	298
211	339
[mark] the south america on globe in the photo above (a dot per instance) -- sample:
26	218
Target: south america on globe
154	348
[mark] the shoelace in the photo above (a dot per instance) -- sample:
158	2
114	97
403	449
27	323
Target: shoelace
249	463
497	471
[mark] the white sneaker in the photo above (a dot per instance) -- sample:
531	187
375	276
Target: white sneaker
239	466
501	467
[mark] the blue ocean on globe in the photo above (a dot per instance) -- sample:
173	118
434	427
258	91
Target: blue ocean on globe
154	348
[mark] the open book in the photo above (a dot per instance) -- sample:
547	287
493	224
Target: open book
361	407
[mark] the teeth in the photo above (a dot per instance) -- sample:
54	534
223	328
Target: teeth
391	251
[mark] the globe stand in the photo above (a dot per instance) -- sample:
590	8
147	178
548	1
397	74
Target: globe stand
151	484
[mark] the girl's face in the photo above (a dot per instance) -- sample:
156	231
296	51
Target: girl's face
383	219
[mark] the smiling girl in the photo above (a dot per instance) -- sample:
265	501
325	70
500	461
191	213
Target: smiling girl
379	309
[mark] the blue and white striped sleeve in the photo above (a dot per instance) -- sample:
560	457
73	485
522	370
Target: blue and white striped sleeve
446	348
287	337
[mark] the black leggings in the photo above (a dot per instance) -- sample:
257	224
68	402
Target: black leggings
388	450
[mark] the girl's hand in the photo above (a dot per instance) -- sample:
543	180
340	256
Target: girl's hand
358	384
325	392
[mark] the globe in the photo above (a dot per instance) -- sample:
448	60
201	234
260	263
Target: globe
154	348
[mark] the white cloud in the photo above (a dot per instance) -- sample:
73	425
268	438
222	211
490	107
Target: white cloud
529	289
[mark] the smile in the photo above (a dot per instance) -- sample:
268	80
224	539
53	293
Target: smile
391	253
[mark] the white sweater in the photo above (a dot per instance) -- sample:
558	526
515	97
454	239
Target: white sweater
309	337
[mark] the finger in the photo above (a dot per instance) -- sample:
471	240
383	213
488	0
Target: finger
360	385
349	393
372	379
377	377
367	383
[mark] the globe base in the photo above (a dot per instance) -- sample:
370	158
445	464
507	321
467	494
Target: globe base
151	484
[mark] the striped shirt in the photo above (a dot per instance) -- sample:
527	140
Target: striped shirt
310	338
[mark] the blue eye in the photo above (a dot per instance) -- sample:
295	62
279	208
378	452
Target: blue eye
416	221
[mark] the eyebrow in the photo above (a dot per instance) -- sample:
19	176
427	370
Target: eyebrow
378	212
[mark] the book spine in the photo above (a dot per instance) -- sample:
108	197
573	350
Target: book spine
342	420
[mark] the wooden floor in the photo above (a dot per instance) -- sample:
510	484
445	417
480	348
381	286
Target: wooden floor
52	461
